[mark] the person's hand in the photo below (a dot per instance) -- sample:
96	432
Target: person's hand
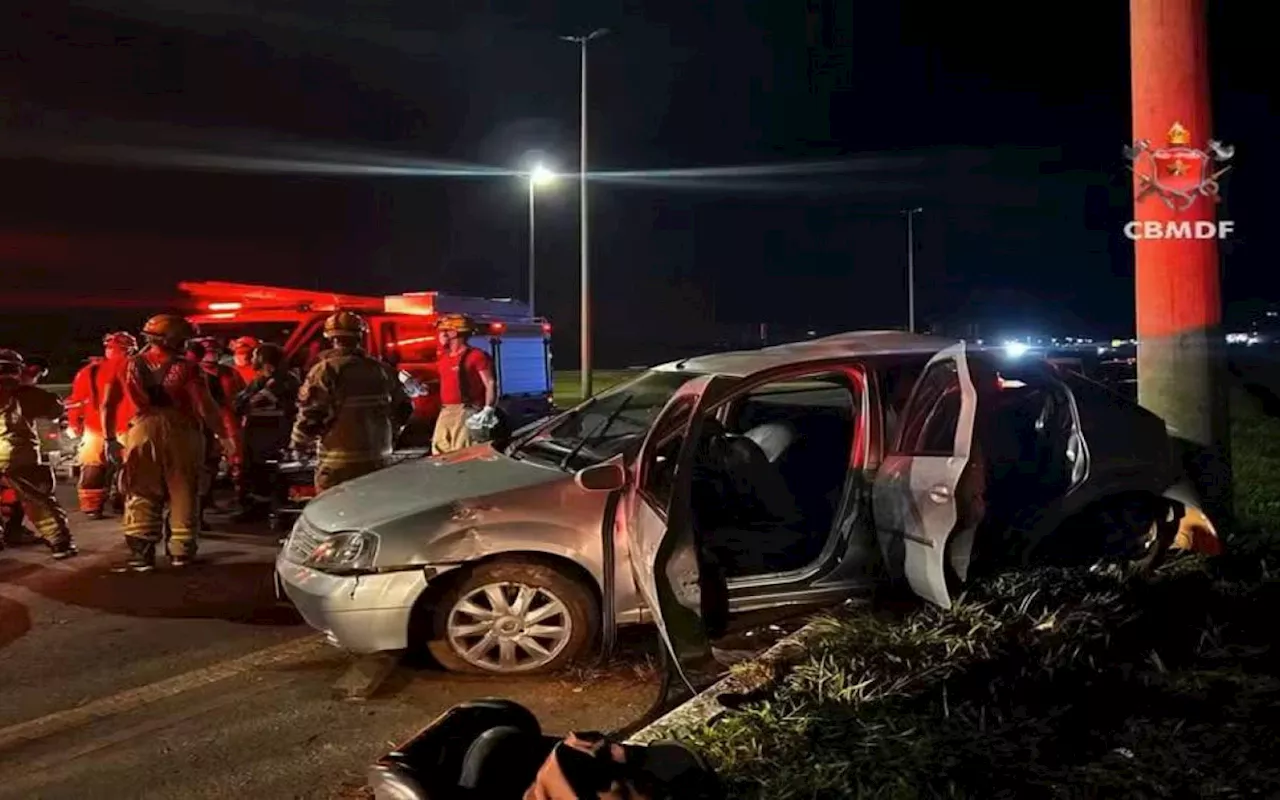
483	419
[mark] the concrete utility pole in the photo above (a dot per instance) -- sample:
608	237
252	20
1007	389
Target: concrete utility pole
1181	348
911	268
585	340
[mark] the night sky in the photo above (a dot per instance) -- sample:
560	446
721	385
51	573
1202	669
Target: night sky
752	156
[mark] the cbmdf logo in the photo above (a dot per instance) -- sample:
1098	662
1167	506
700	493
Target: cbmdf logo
1179	176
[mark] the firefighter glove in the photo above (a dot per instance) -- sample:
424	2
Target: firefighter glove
483	420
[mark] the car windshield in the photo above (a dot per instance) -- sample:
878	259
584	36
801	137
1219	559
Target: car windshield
607	424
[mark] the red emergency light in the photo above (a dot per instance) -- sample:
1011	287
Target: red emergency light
497	327
225	306
546	327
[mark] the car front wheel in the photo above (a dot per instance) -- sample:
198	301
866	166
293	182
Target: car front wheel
513	617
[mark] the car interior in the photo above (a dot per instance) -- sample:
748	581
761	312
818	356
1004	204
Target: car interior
1025	447
770	473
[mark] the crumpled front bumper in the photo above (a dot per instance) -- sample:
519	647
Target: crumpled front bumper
360	613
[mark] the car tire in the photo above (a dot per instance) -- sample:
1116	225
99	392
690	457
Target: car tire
1118	528
563	612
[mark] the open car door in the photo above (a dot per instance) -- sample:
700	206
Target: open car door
674	573
927	498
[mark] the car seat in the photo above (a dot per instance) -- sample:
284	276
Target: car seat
774	438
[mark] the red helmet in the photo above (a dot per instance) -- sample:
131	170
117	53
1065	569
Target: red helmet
244	343
120	340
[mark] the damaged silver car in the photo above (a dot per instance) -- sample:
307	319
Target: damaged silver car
811	472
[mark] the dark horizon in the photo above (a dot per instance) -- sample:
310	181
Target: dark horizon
1012	144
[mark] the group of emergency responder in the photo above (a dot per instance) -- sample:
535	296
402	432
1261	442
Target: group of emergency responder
154	424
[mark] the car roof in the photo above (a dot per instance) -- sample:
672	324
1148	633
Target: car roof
855	344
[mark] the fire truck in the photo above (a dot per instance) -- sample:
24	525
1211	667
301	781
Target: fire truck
402	332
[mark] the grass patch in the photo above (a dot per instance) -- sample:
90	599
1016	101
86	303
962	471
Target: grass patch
568	383
1048	683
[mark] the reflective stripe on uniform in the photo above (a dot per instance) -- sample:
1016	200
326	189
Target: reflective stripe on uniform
336	457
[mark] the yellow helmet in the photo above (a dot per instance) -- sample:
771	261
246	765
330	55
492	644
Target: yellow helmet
458	323
171	329
345	323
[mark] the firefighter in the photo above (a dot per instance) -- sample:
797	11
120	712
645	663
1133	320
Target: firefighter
267	407
468	389
224	386
353	404
84	420
242	350
33	483
163	449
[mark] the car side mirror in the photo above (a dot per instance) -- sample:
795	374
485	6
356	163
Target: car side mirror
607	477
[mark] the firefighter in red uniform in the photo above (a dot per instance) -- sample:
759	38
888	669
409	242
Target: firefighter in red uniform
224	386
468	389
84	420
33	483
163	449
242	351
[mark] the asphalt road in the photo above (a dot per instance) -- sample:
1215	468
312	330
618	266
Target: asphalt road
200	684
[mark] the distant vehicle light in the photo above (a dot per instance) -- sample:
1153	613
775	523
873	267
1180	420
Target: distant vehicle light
546	327
497	327
1015	349
225	306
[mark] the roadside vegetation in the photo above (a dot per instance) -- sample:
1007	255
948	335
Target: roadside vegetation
568	384
1056	683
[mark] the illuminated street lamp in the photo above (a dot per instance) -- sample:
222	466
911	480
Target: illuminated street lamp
539	176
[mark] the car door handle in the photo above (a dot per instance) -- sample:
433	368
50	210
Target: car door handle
940	494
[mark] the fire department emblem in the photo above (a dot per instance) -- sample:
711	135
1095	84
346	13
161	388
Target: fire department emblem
1178	173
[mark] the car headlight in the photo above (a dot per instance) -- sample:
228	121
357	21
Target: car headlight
350	551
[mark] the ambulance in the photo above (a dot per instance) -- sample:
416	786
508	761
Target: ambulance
402	332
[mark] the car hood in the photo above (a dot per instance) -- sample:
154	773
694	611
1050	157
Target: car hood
421	485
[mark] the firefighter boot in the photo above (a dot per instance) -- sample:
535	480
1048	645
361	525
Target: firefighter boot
142	556
63	548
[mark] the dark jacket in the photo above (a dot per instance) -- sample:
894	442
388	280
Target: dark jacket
354	405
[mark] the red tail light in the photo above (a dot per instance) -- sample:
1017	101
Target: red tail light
546	327
497	327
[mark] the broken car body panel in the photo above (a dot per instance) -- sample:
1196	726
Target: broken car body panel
669	559
916	489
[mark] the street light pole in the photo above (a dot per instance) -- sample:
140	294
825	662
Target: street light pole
585	290
532	249
911	268
539	175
